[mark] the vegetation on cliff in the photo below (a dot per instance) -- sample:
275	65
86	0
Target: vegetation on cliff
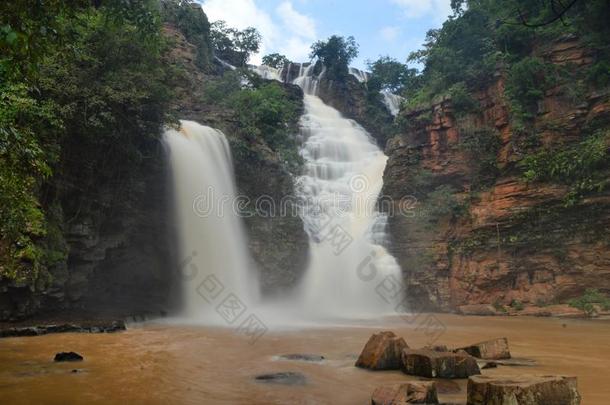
72	77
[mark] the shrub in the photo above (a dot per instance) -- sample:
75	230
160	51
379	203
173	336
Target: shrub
589	302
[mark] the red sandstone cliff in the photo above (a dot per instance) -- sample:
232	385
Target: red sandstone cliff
511	241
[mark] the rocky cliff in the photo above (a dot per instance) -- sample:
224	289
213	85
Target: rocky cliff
481	233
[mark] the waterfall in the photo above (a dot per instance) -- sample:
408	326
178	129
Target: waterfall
339	189
213	250
391	101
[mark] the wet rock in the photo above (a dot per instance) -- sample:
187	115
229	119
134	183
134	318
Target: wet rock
285	377
431	364
415	392
105	327
68	356
523	390
495	349
437	348
314	358
382	352
477	309
513	362
487	365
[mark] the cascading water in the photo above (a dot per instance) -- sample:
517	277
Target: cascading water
212	240
392	101
339	190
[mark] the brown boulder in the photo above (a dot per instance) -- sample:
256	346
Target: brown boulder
495	349
522	390
415	392
382	352
432	364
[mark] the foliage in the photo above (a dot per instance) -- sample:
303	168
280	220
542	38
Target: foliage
74	81
232	45
482	146
335	53
194	25
516	305
461	99
275	60
388	74
526	83
442	203
579	166
263	113
589	302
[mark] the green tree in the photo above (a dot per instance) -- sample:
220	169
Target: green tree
335	53
275	60
234	46
388	74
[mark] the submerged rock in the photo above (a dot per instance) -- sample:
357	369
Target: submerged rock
432	364
382	352
523	390
68	356
314	358
495	349
414	392
285	377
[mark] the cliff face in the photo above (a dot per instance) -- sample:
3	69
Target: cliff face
506	241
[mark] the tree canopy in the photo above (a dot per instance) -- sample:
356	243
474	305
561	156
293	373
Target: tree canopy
336	53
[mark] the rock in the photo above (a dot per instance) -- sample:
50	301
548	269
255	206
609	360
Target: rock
437	348
382	352
490	364
477	309
495	349
414	392
432	364
68	356
314	358
286	378
516	362
522	390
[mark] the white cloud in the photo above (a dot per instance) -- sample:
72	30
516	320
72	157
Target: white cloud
290	32
300	25
389	33
439	9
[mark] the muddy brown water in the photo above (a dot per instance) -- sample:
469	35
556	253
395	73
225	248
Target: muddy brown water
168	364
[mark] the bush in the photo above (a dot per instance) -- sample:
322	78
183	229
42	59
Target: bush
589	302
579	166
526	83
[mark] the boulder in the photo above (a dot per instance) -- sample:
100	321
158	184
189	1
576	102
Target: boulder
414	392
433	364
382	352
68	356
495	349
522	390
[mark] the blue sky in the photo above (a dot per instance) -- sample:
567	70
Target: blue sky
381	27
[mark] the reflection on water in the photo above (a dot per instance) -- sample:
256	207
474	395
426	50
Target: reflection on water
160	364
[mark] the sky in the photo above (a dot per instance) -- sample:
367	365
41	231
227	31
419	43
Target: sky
289	27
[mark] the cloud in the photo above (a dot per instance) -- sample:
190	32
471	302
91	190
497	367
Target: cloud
389	33
439	9
286	31
300	24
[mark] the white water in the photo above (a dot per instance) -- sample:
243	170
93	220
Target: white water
211	236
392	101
361	75
340	187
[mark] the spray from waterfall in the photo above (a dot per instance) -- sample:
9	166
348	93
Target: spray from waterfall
213	250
